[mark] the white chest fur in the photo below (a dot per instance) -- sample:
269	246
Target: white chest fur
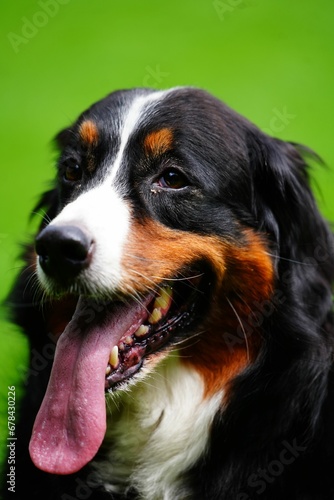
157	429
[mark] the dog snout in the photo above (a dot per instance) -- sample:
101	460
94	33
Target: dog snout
63	251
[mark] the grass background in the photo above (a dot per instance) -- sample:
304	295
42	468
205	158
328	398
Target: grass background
265	59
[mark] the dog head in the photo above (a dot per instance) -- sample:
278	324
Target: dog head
172	217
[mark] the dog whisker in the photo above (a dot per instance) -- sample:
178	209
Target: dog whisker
288	260
241	326
44	216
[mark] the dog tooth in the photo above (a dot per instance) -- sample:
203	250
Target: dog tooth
155	316
121	346
164	298
142	331
108	370
113	359
128	340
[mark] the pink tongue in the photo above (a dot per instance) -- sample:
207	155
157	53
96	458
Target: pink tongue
71	423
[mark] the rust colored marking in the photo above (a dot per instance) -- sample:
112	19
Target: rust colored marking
89	133
155	252
231	336
232	332
158	142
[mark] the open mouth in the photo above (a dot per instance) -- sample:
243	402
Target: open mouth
171	309
101	349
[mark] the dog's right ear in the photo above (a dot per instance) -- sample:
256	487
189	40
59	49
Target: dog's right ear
49	201
48	206
63	138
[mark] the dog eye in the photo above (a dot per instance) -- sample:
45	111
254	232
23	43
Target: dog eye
172	179
72	172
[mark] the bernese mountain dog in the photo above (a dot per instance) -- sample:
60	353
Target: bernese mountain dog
178	304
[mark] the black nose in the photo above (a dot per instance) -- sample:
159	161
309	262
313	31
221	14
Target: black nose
64	251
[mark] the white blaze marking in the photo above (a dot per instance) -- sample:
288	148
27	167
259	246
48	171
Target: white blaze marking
105	217
135	112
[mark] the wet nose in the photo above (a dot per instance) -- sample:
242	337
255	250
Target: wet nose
64	251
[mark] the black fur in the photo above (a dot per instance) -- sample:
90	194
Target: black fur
274	440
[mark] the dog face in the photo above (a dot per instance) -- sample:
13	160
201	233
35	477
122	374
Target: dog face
155	160
171	213
151	188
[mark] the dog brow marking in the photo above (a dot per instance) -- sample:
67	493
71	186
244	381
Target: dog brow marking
158	142
89	136
89	133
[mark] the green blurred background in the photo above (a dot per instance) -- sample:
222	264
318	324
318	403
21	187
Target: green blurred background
270	60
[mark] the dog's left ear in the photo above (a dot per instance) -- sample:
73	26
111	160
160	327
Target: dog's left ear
283	203
286	212
49	205
49	201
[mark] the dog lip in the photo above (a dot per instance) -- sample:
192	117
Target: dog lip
127	357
